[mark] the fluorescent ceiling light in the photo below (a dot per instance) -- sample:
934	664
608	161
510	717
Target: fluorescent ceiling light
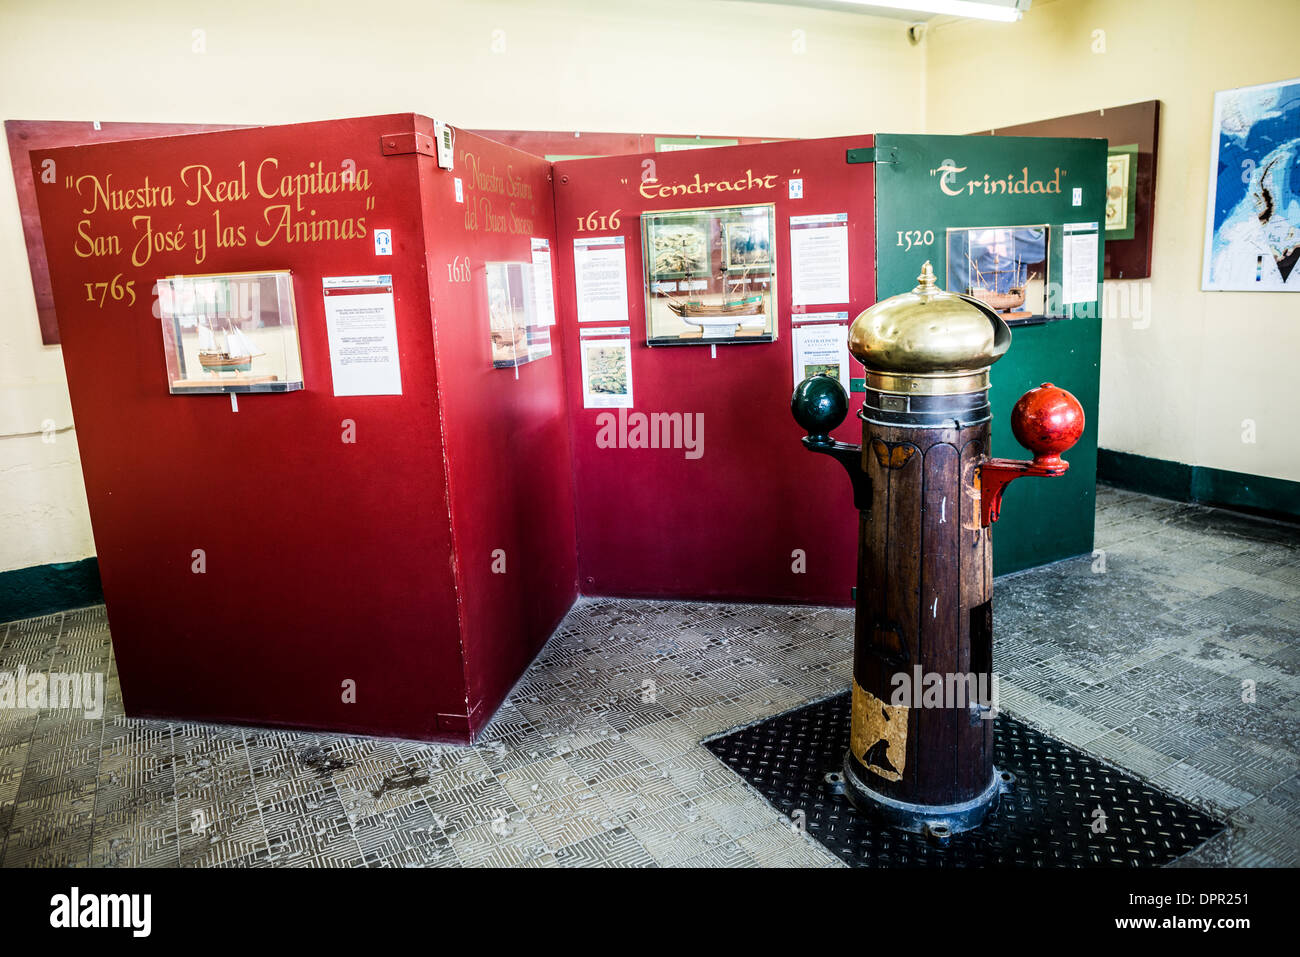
955	8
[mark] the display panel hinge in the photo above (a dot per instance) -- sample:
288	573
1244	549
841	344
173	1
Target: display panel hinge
396	144
886	156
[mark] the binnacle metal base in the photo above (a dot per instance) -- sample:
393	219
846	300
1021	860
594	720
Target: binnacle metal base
1049	818
936	821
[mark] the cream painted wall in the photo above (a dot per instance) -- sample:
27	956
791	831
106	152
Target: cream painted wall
1177	389
688	66
1177	384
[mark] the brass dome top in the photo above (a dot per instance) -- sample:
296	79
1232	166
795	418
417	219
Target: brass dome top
928	333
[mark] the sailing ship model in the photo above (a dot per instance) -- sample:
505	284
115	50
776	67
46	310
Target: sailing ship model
732	311
1000	295
719	319
235	353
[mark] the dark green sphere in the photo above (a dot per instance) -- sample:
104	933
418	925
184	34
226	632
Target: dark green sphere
819	404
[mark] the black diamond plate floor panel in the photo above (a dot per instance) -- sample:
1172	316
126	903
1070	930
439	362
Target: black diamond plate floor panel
1049	819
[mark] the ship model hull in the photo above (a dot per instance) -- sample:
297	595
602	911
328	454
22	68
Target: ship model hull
223	362
999	301
704	312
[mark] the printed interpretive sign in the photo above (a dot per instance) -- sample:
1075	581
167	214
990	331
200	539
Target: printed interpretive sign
607	373
1079	252
819	259
543	287
600	273
821	347
361	323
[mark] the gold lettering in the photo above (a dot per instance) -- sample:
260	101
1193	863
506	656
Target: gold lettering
107	196
695	186
990	186
289	230
275	164
224	192
88	246
281	224
947	170
151	242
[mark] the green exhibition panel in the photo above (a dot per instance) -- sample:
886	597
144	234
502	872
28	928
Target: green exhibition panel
1014	221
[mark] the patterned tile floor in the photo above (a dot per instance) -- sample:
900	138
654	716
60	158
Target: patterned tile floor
1140	654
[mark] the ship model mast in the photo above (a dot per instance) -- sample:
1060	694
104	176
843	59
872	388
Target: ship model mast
694	309
994	296
237	354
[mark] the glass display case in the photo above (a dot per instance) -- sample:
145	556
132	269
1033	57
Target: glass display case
1005	267
230	332
710	275
517	331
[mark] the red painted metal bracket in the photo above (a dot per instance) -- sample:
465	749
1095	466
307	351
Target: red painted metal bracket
395	144
996	474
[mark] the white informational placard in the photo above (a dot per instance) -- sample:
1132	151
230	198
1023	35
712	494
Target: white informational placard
1079	251
600	273
819	259
362	327
822	347
839	315
543	287
606	373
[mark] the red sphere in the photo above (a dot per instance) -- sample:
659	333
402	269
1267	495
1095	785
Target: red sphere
1047	421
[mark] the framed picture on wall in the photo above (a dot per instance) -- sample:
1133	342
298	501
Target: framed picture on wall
678	250
1252	217
748	246
1121	192
1133	131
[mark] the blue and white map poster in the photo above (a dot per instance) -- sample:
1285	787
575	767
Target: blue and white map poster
1252	220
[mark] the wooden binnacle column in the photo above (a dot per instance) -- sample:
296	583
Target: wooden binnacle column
921	742
927	491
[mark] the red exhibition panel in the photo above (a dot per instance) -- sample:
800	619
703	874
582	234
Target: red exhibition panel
389	564
733	522
327	564
507	438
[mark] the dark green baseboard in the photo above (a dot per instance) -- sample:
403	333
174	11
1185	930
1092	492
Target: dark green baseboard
42	589
1271	497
